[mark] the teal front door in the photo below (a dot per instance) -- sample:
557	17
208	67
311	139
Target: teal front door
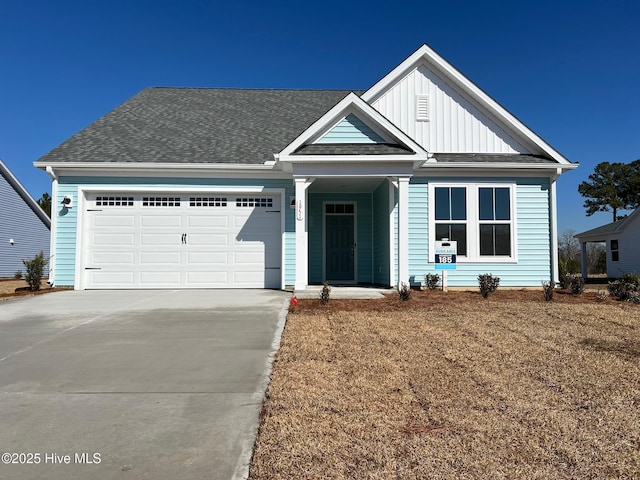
340	248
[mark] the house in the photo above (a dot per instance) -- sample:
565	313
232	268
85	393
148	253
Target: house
621	239
24	227
229	188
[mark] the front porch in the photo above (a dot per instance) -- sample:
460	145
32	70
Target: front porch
347	231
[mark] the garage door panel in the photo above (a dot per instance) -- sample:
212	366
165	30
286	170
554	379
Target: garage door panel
160	258
208	258
110	279
111	239
112	258
160	277
160	221
113	221
209	240
213	277
249	257
164	239
211	221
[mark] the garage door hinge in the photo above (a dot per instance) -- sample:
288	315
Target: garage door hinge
93	268
94	209
272	211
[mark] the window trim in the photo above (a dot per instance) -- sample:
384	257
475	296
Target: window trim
473	221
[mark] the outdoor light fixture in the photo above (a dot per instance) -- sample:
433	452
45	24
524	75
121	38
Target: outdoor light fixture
67	201
11	242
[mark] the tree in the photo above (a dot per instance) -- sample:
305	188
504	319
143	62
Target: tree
612	187
45	203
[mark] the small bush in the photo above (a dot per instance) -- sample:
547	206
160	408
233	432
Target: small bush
567	267
626	289
601	296
488	284
35	270
324	295
548	290
404	291
18	275
432	280
576	284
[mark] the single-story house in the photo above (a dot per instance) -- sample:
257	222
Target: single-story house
621	239
231	188
25	228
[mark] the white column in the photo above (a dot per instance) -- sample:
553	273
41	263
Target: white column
403	230
302	241
554	231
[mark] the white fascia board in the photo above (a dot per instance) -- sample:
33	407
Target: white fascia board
428	55
352	103
162	169
512	167
419	159
22	192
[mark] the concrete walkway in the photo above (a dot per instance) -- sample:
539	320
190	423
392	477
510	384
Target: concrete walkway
313	291
135	384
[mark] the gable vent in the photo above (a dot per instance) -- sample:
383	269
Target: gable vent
422	107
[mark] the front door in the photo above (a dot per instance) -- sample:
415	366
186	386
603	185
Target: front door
340	243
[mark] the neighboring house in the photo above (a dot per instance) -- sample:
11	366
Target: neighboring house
208	188
621	238
24	227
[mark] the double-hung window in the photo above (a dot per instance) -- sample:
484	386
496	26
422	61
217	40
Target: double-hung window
451	216
478	216
494	214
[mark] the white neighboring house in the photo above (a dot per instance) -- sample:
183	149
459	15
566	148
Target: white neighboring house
24	227
621	237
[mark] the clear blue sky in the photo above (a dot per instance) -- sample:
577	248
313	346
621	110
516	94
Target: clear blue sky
570	70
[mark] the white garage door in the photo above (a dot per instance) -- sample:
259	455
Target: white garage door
181	241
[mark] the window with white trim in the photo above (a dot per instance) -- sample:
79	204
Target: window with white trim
479	217
615	251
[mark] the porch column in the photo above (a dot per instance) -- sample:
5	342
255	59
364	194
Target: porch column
302	241
403	230
583	260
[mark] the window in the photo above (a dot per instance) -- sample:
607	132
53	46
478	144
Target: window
479	217
160	201
254	202
346	208
615	251
451	216
207	202
114	201
494	213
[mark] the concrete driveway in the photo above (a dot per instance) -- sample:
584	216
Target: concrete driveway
134	384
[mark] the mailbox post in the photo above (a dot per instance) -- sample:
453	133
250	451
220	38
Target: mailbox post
446	252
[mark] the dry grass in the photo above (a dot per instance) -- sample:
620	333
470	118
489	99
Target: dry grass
468	389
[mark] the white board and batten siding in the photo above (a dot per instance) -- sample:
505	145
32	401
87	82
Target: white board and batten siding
628	251
441	118
181	240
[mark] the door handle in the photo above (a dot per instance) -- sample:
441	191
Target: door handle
184	238
353	249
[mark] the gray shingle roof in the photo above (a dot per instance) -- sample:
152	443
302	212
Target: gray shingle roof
491	158
196	125
353	149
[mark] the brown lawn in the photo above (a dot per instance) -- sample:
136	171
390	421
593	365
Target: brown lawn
454	386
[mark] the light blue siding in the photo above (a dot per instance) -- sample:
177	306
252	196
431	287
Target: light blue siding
364	246
19	222
381	242
67	220
351	130
533	237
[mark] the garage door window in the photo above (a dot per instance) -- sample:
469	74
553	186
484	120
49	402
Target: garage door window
160	201
254	202
114	201
207	202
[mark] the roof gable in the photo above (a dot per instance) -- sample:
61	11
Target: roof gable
370	128
613	228
13	182
501	129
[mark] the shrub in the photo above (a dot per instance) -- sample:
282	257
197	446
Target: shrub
576	284
404	291
488	284
632	278
548	289
566	267
623	290
35	270
431	280
324	295
18	275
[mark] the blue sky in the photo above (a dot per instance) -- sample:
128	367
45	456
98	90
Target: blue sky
570	70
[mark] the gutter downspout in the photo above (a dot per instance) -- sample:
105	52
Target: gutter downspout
54	225
555	274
